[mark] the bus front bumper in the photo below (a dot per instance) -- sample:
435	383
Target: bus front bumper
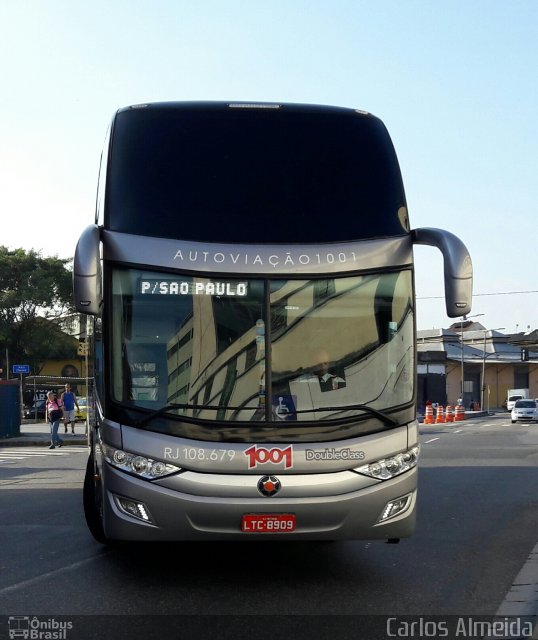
137	510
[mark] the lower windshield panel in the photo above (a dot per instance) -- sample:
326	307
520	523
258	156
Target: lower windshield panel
201	344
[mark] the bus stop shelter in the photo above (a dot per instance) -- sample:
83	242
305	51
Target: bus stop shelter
56	383
39	385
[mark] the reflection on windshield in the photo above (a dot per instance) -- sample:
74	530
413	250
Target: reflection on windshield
201	344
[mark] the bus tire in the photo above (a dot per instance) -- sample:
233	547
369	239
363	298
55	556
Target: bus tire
92	505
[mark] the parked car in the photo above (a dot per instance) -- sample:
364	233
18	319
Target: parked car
525	411
37	410
82	411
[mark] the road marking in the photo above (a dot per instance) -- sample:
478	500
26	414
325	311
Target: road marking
41	450
55	572
432	440
12	456
458	431
9	456
26	453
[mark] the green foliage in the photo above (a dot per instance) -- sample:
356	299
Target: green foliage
35	292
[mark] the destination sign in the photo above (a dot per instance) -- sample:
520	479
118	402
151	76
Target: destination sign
159	287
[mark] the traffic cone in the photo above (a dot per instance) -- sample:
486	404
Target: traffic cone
460	413
440	418
428	417
449	414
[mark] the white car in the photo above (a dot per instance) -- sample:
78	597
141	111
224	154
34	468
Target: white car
525	411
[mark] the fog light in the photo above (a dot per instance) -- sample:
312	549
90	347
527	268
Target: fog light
395	507
133	508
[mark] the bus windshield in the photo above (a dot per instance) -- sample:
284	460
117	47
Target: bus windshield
258	349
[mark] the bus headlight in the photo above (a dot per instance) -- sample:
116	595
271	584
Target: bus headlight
390	467
139	466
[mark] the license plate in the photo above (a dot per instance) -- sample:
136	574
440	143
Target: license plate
268	522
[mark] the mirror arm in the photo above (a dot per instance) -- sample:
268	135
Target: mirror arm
458	268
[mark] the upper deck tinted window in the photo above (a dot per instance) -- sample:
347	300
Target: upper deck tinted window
288	175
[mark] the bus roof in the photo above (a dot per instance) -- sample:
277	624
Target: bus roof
252	172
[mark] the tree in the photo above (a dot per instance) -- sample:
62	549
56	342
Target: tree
35	292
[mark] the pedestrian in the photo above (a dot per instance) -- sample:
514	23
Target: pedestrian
53	415
68	402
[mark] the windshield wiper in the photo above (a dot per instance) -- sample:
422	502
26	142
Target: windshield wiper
385	419
159	412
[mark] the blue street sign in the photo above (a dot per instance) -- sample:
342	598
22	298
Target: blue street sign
21	368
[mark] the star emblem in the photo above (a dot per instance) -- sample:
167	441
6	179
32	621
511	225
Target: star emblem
268	486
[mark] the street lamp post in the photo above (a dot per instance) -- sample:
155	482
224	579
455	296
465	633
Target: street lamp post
464	319
484	366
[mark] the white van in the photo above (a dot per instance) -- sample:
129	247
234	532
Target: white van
514	395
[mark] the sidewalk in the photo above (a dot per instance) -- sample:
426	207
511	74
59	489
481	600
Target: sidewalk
38	434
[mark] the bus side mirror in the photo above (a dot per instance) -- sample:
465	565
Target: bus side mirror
87	279
458	268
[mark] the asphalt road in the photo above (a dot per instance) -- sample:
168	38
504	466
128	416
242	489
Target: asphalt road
477	526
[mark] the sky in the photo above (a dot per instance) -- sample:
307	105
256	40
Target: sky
455	82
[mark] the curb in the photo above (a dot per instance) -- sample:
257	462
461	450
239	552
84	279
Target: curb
468	416
39	441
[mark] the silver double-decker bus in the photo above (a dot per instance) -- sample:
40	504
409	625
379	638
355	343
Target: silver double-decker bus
249	283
